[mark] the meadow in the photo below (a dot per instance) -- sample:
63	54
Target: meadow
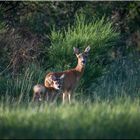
106	103
106	119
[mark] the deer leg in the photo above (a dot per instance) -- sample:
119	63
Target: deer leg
64	96
47	96
33	99
69	97
57	94
52	96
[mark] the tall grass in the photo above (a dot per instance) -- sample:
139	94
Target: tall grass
21	86
121	79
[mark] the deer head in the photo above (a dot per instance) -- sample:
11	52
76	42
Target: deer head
55	82
82	57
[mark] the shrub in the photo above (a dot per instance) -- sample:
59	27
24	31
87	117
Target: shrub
100	35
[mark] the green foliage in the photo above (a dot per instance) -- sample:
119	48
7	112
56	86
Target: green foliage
100	35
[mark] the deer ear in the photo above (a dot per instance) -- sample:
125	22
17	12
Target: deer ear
76	50
62	76
53	78
87	49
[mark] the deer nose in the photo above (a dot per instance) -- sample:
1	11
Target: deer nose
83	61
59	86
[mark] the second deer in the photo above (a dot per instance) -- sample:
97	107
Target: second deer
48	93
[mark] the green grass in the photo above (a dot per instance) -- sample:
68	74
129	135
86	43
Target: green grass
119	118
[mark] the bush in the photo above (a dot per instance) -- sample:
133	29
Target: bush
100	35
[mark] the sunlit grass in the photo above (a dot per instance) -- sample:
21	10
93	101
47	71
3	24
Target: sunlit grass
108	119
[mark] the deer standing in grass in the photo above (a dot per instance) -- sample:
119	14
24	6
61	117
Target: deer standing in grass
72	76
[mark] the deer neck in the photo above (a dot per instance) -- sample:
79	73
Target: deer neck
79	69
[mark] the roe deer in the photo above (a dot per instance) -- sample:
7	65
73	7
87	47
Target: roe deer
72	76
40	91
